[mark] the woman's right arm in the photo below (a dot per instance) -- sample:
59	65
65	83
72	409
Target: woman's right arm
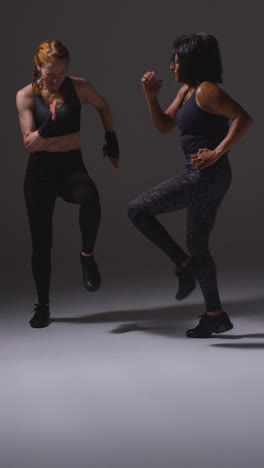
164	121
24	102
32	140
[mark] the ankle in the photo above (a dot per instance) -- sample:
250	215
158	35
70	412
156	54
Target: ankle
85	254
215	313
186	262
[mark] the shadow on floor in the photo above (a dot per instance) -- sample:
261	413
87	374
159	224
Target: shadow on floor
172	321
251	345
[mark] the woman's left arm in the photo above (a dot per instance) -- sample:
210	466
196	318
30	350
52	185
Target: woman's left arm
88	95
214	100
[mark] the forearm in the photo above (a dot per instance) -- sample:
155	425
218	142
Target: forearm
37	140
62	143
106	117
162	121
237	129
34	142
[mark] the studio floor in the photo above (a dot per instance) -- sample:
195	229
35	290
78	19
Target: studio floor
113	382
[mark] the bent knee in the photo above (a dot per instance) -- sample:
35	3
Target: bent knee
134	212
89	197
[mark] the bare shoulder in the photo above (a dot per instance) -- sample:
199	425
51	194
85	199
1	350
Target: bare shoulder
26	92
173	107
80	83
171	110
24	98
211	98
180	95
82	88
182	90
209	91
86	93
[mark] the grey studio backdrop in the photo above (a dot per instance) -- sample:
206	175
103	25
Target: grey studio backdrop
75	395
112	44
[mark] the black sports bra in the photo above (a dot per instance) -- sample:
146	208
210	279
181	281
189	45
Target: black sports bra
68	115
199	128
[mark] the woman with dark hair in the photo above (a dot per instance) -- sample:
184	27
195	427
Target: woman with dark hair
202	111
49	113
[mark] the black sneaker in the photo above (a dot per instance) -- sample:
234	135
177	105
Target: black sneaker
41	317
187	282
210	324
91	275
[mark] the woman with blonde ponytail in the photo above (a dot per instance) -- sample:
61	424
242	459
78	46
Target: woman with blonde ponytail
49	114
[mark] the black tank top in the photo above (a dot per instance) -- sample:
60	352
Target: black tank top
68	115
199	128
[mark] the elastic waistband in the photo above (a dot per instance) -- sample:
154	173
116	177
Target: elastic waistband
59	153
188	155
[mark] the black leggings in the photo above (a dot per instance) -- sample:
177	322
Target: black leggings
201	192
48	176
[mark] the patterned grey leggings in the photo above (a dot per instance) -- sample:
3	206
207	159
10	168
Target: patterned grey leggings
201	192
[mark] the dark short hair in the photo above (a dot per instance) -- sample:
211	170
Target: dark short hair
199	58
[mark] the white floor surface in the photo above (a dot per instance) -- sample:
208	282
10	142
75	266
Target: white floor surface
113	382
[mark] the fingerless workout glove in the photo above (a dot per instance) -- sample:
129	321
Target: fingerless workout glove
46	126
111	145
